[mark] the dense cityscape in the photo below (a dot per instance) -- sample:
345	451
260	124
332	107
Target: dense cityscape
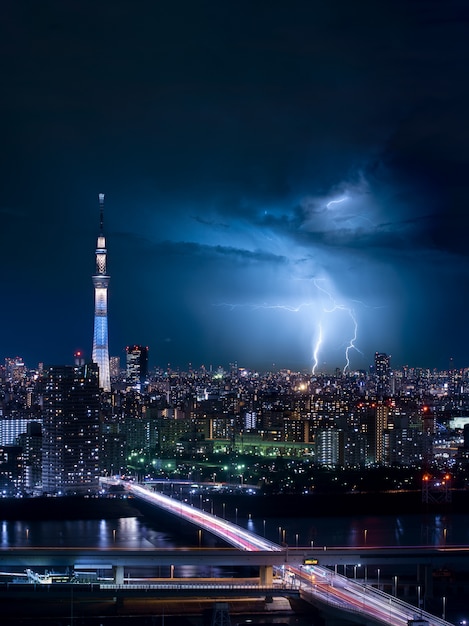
236	384
64	426
283	431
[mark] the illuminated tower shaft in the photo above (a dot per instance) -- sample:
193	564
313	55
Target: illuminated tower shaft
101	282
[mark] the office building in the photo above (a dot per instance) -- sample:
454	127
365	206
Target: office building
137	366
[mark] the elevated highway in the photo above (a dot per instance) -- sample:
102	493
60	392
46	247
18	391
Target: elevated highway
318	585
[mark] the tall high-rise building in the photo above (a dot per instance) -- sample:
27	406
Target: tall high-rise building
137	365
381	425
101	282
382	373
115	366
71	429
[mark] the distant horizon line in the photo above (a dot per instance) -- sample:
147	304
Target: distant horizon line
264	369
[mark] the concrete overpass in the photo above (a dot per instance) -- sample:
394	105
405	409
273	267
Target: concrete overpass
118	560
321	586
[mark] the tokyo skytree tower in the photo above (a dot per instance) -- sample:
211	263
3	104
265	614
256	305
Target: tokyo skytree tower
101	282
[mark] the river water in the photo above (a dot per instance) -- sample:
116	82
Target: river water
135	532
145	532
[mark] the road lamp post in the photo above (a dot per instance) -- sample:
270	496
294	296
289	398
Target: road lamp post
379	571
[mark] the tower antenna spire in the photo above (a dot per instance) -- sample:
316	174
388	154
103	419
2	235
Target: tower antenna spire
101	212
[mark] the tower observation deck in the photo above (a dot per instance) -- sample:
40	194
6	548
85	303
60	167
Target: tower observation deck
101	281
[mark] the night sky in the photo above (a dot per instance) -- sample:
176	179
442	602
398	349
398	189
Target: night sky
284	180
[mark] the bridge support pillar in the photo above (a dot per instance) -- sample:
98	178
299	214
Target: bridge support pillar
425	579
266	575
118	571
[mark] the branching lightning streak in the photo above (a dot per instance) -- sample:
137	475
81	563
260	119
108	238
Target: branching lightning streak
316	348
320	335
341	307
284	307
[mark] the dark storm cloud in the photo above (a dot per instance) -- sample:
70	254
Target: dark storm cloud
247	151
210	223
211	253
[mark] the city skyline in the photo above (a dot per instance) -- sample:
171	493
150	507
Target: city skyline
285	187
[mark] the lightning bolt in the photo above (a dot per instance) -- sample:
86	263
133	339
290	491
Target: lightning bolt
331	202
341	307
333	306
351	345
316	349
283	307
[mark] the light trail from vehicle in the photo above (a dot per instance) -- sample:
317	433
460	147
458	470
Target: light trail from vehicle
315	582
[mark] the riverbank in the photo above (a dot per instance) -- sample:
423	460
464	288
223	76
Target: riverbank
66	507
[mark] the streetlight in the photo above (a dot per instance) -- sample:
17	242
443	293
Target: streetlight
395	586
236	515
296	539
355	570
223	504
364	533
263	522
378	578
199	535
443	615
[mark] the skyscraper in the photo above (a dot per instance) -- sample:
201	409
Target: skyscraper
137	365
382	373
71	435
101	282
